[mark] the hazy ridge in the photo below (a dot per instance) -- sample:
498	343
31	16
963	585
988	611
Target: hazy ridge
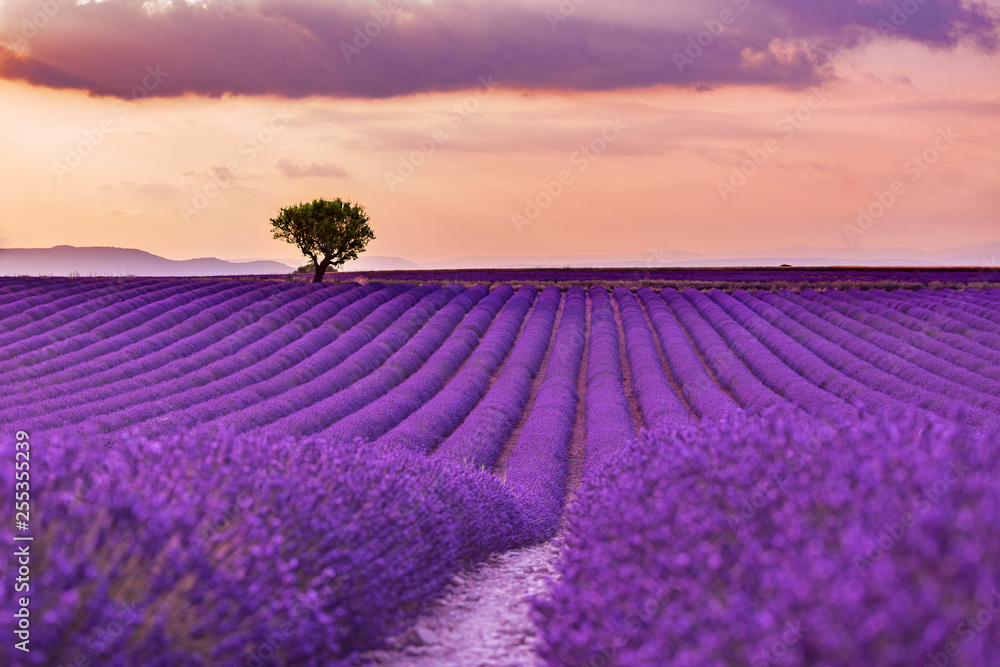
67	260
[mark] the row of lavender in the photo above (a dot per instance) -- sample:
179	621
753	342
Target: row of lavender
397	527
754	540
786	539
195	548
377	361
480	377
409	364
302	552
783	539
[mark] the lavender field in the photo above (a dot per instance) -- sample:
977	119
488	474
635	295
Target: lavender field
251	472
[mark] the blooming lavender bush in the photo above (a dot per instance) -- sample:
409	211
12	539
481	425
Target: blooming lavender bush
733	540
538	468
393	404
609	421
780	539
390	360
361	351
479	439
706	397
657	399
893	356
147	395
731	374
792	371
954	347
426	427
235	550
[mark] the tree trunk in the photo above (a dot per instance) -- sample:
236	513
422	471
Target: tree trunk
320	270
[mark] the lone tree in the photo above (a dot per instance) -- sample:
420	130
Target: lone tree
328	232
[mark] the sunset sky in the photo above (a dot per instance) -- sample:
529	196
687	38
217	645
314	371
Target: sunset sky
524	128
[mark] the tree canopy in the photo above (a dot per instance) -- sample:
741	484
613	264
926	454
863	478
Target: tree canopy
328	232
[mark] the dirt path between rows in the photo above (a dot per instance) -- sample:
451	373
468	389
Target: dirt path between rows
638	421
482	621
578	441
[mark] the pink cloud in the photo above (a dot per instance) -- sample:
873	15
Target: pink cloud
300	48
290	169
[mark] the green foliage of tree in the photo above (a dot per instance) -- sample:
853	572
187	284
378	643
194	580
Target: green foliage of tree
329	233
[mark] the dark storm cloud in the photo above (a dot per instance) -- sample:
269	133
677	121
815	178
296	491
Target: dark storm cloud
293	48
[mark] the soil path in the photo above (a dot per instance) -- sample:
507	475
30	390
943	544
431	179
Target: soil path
482	621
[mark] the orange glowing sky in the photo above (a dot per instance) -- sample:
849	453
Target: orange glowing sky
456	170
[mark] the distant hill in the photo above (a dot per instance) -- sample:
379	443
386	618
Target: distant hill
66	260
